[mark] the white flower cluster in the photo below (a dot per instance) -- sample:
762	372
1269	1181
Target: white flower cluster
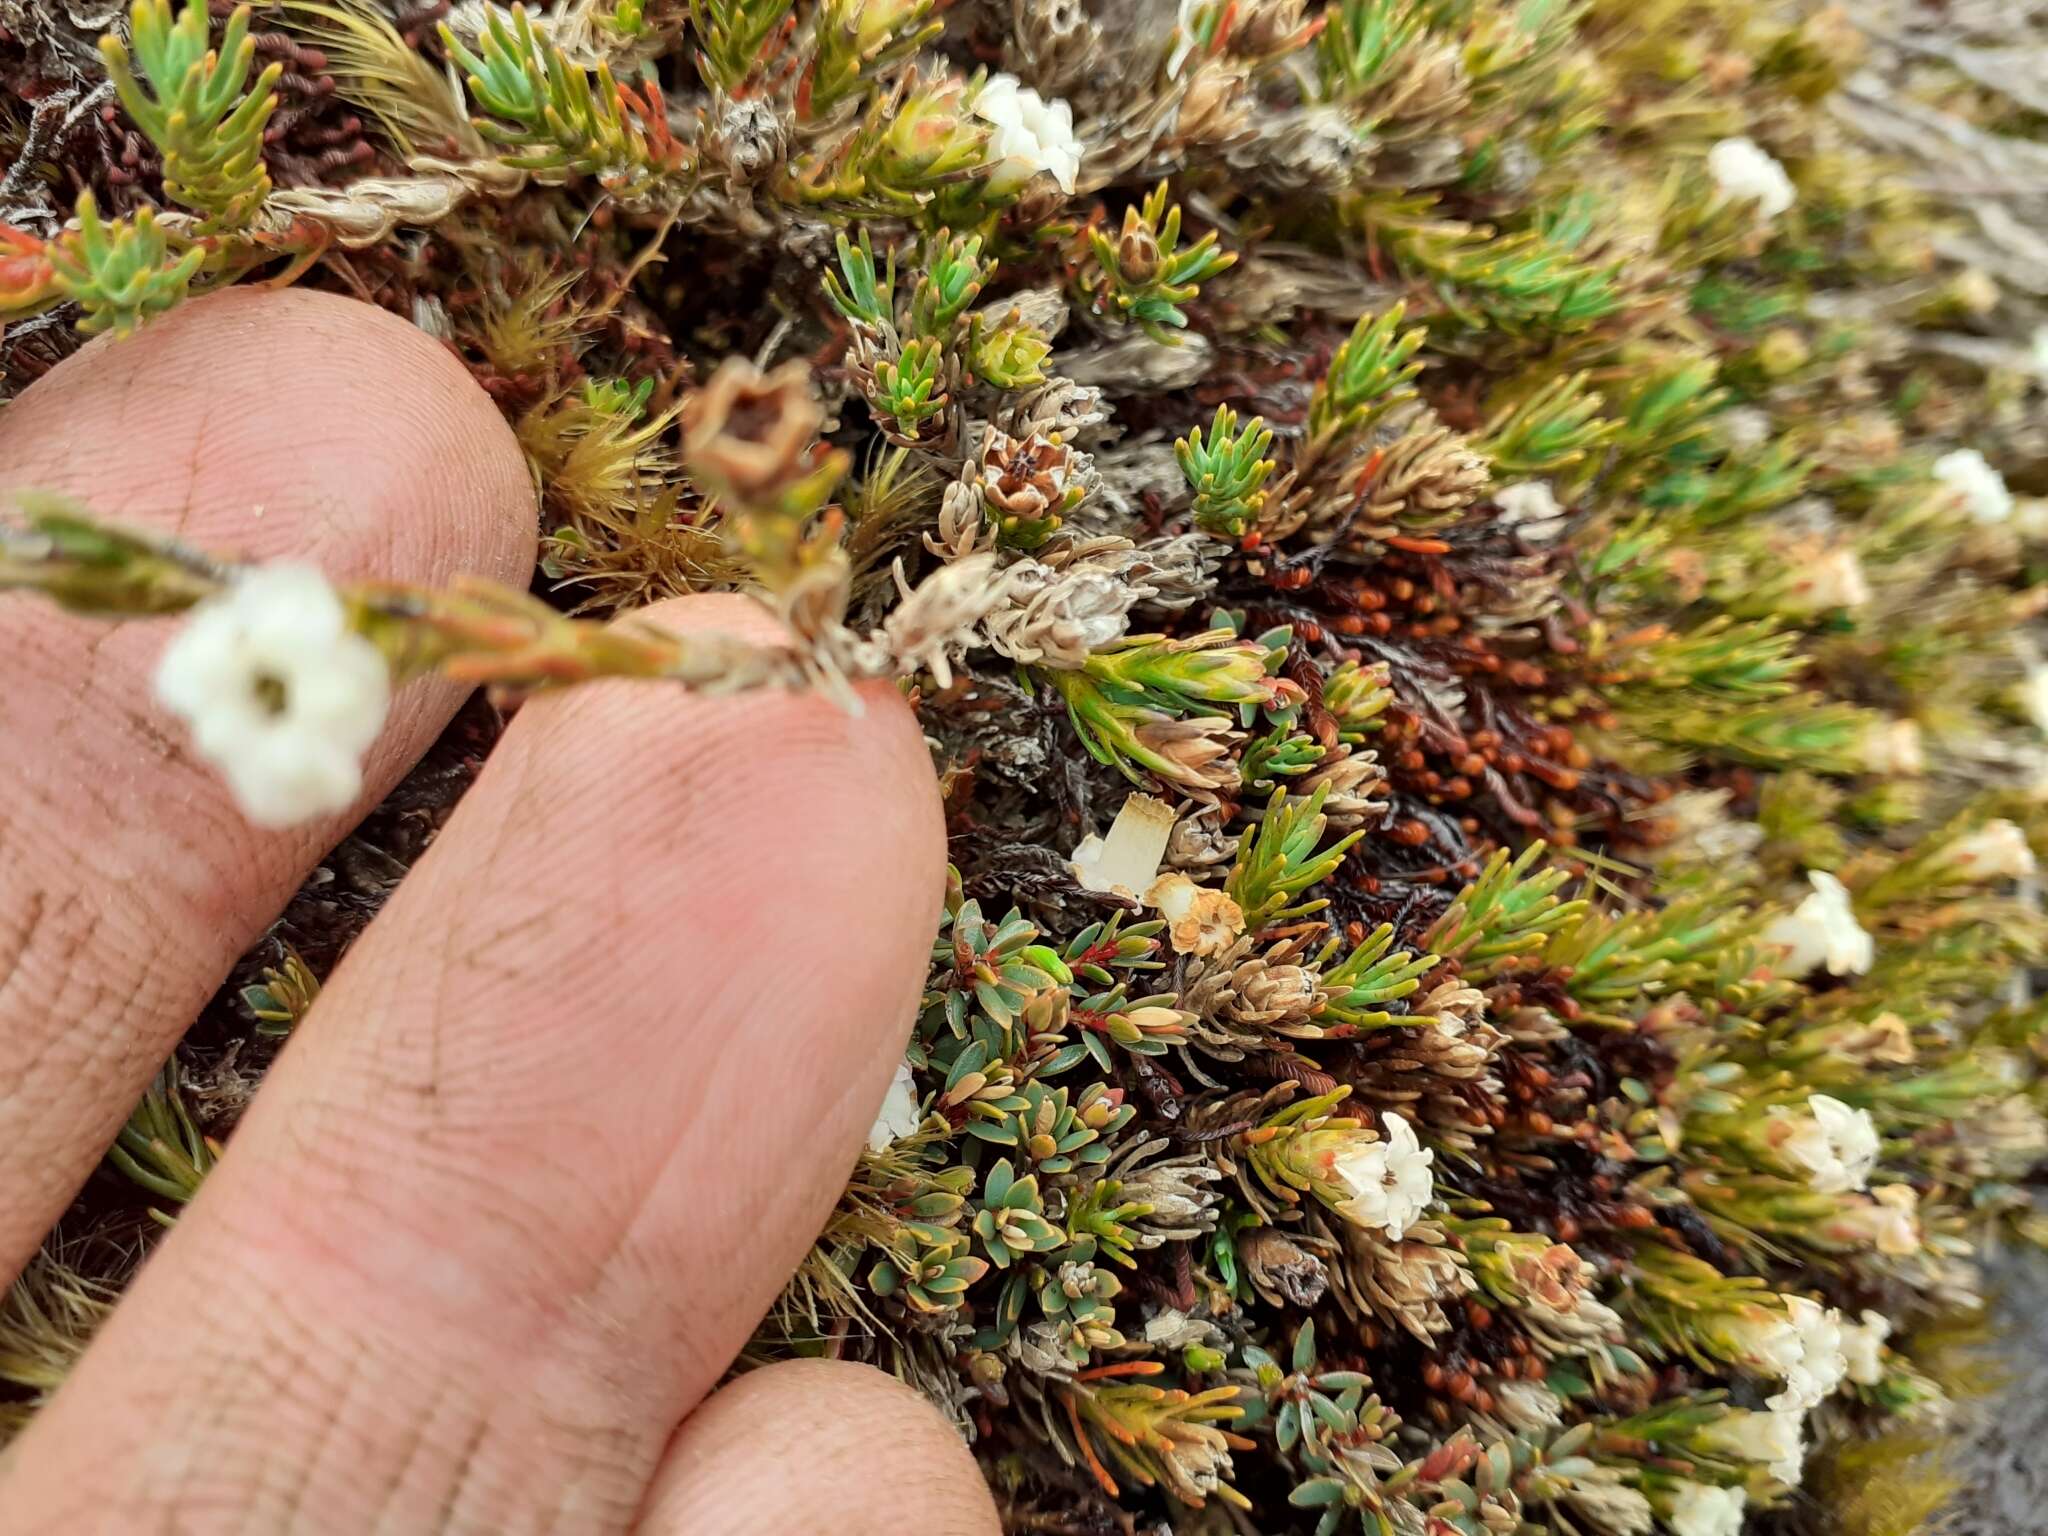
279	693
1387	1182
1804	1348
1969	477
1774	1440
1822	931
1835	1144
1700	1509
1744	172
1863	1348
1031	135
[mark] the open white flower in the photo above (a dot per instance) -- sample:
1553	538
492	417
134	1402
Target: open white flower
1700	1509
1031	135
1968	475
1995	851
1820	1366
1774	1440
1822	931
899	1114
1744	173
1836	1145
1387	1182
1863	1348
279	693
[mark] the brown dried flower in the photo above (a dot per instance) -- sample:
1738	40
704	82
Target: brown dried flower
1026	485
747	434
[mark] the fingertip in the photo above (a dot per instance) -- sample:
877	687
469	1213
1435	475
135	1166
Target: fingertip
292	423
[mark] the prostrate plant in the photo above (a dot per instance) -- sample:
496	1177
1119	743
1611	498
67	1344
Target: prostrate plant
1490	718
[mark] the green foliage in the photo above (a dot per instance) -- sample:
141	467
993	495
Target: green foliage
1281	857
1357	695
283	997
1797	731
560	120
1010	1217
1126	693
1373	975
1510	912
1052	1135
1531	283
1554	428
857	43
122	273
1369	374
161	1147
1362	43
194	108
909	390
1010	355
1143	275
1721	660
1226	471
732	37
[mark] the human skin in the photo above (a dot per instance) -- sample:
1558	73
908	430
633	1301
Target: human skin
566	1116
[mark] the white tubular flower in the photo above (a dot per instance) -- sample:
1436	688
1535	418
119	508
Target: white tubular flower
1893	746
1836	1145
1127	861
1981	489
279	693
1995	851
899	1114
1700	1509
1813	1378
1774	1440
1387	1182
1031	135
1822	931
1744	173
1863	1348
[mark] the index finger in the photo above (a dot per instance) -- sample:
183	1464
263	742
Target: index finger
270	424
